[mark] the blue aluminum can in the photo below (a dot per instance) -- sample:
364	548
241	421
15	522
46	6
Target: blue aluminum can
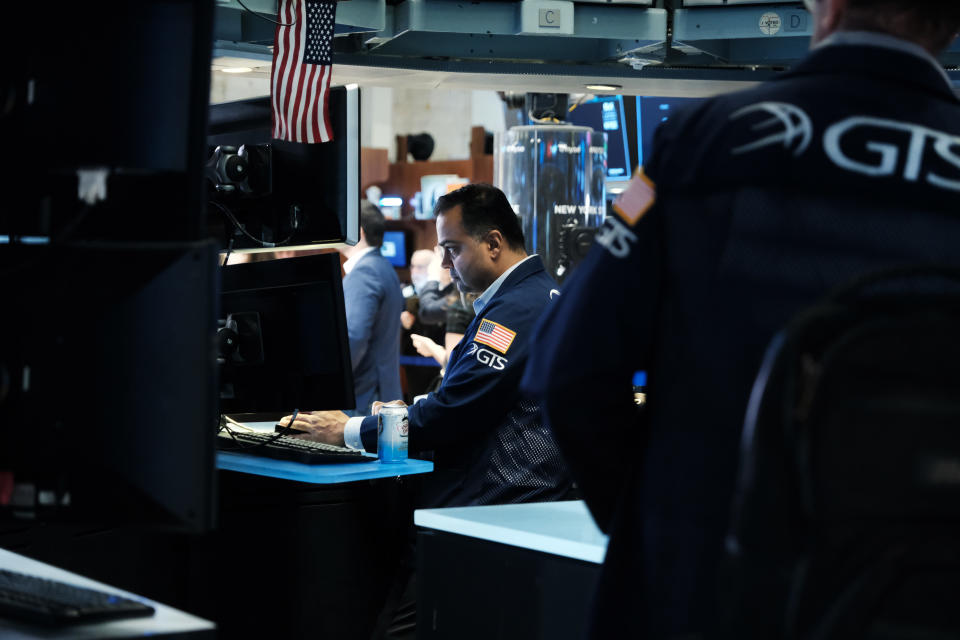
392	434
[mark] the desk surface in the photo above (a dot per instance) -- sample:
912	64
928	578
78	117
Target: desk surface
166	620
319	473
315	473
561	528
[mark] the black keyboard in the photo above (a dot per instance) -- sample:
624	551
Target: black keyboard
269	445
57	603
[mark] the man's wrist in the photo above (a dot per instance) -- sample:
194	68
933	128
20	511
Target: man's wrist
351	433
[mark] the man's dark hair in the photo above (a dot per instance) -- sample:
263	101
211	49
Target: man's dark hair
932	23
483	208
372	223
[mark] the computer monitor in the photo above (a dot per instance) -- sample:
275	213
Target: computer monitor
652	111
608	114
308	195
114	152
394	248
108	406
284	342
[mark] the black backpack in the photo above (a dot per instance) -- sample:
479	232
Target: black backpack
846	520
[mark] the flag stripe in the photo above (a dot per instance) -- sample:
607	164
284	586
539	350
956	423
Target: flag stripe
289	70
279	54
302	90
502	344
300	102
284	70
311	97
286	67
297	49
326	131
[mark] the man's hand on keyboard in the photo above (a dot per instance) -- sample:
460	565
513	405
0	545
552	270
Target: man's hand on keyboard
321	426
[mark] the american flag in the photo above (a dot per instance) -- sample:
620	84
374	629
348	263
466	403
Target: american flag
495	335
636	199
300	78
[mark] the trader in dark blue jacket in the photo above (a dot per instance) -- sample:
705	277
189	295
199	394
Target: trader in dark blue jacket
489	445
752	206
374	302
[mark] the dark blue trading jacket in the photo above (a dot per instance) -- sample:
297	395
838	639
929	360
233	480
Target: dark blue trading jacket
490	446
765	199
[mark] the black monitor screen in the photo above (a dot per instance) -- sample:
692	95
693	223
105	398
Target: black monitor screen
651	112
127	138
606	113
290	348
308	195
394	248
108	383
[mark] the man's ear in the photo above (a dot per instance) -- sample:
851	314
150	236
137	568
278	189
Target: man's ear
495	242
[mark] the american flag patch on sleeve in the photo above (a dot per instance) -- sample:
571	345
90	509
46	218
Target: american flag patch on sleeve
636	199
495	335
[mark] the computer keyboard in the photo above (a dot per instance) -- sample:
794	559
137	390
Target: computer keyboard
52	602
269	445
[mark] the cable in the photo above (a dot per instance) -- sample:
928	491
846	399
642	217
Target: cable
285	430
234	423
542	120
282	24
240	228
585	97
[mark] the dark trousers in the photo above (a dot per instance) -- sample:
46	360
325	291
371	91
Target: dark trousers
398	620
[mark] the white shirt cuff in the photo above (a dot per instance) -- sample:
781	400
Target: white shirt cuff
351	433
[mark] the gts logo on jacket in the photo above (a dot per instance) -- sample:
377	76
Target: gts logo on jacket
484	356
877	147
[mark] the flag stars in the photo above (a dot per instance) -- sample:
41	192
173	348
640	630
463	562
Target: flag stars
320	23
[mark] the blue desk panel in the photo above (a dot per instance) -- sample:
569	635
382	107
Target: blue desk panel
419	361
319	473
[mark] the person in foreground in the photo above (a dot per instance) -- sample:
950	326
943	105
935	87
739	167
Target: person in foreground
752	206
489	445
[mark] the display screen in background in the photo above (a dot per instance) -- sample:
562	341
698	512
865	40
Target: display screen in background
652	111
605	113
394	248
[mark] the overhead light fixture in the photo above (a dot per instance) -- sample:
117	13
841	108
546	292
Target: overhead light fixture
237	70
603	87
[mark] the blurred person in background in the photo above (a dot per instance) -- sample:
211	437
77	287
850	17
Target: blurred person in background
373	301
421	377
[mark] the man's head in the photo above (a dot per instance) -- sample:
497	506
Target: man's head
372	224
932	24
419	267
479	234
